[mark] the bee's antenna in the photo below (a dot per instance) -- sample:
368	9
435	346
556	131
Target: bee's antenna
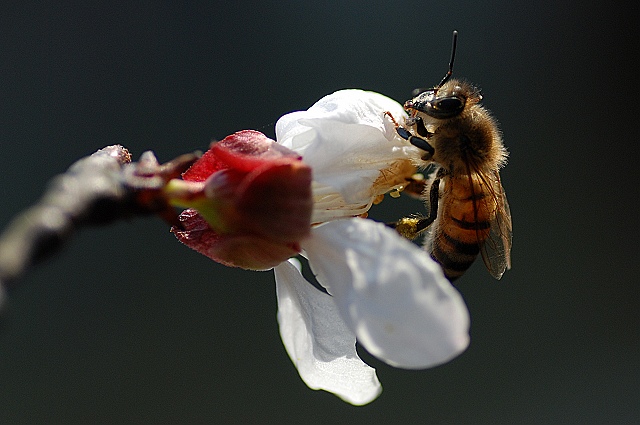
453	56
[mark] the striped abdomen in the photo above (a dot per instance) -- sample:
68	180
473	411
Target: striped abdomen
465	213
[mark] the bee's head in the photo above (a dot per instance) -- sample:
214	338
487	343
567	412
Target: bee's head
444	102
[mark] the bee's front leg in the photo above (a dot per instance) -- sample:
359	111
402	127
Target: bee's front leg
416	141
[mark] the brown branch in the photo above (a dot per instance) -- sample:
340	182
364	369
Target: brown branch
98	189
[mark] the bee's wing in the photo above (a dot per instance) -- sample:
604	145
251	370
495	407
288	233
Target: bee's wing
496	251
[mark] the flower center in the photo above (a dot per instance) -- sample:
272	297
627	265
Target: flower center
394	178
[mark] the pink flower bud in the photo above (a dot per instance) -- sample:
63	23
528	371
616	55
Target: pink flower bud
257	203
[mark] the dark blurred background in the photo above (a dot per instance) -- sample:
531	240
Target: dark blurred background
128	326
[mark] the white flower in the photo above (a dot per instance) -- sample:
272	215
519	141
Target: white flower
353	148
382	290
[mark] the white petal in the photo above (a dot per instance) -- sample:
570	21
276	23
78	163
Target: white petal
348	141
392	295
318	342
351	106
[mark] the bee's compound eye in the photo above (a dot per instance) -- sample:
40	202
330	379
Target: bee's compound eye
445	107
449	104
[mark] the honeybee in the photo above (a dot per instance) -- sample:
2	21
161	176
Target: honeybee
468	211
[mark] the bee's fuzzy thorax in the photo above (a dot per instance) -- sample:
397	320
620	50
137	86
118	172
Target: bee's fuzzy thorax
470	139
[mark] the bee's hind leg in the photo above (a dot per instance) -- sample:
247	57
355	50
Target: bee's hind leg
412	227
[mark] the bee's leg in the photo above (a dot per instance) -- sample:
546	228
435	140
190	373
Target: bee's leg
393	120
411	227
434	197
418	142
421	128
